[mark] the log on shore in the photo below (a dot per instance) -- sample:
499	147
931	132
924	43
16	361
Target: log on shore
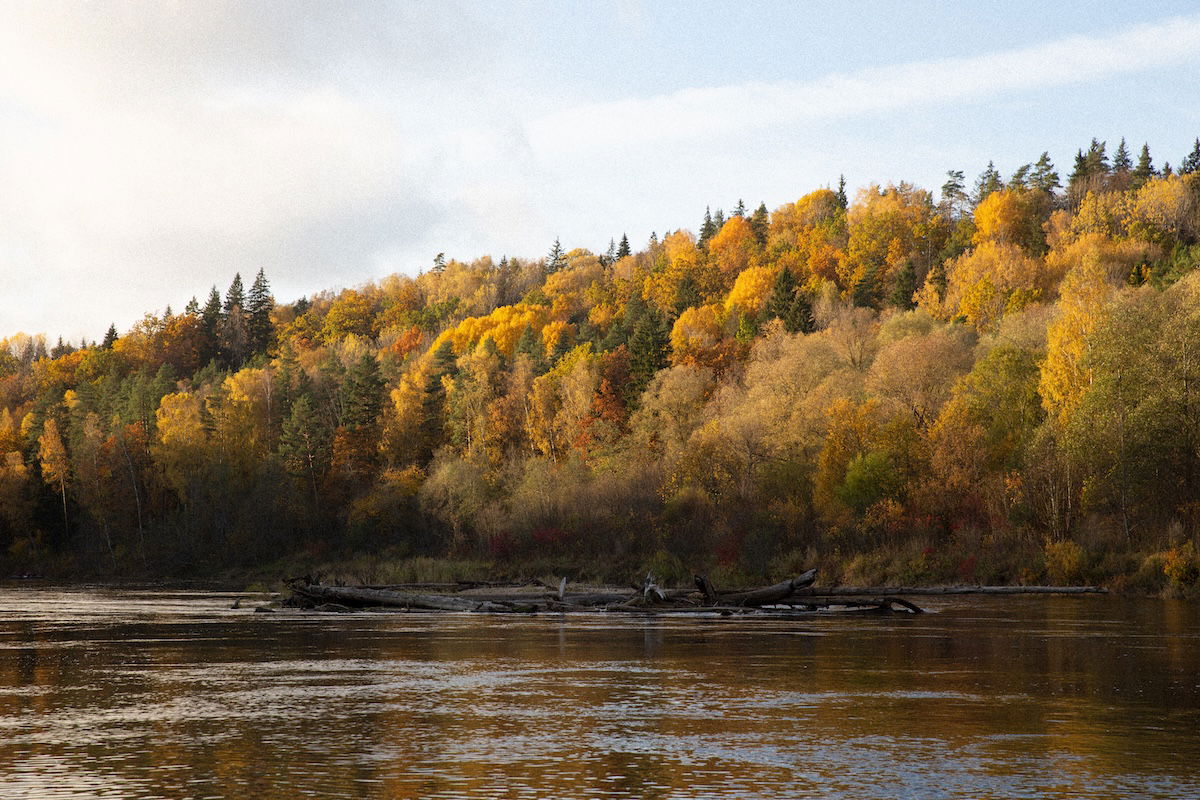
359	597
875	591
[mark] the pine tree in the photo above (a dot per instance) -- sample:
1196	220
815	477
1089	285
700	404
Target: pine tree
1020	178
1044	176
759	223
259	305
439	263
623	247
610	255
555	260
109	338
842	201
1097	160
740	209
304	444
1191	162
718	221
782	295
989	181
192	309
1144	170
954	195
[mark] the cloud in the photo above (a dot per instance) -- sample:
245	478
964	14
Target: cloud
704	113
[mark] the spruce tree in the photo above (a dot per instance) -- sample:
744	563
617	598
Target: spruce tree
649	346
555	260
1191	162
623	248
259	305
842	201
192	308
707	228
954	195
110	337
904	287
363	393
782	295
529	346
1121	160
439	263
760	223
740	209
235	296
1144	170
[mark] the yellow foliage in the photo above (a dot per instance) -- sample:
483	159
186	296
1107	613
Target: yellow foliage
1012	216
809	236
732	246
752	289
1117	258
179	420
1161	210
886	229
505	325
554	332
980	284
697	329
1085	292
1104	213
352	312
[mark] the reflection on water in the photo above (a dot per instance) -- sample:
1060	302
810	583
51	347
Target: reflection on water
155	695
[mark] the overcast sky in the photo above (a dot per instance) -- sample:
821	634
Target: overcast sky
149	150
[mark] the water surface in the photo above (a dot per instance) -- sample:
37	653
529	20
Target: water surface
126	694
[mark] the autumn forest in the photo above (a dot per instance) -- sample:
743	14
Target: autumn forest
996	381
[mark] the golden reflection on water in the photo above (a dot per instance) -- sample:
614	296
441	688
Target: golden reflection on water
139	695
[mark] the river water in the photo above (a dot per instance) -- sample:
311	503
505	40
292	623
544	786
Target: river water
134	694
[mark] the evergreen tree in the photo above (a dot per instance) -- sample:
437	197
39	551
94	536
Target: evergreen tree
235	296
623	247
707	228
439	263
529	346
782	295
1044	176
192	309
304	444
1097	159
954	195
555	260
1020	178
259	305
109	338
1191	162
1121	161
759	223
989	181
842	201
904	288
610	255
740	209
363	393
649	346
443	365
687	294
1144	170
718	221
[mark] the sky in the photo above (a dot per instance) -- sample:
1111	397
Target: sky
149	151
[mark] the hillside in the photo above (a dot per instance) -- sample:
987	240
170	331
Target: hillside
995	384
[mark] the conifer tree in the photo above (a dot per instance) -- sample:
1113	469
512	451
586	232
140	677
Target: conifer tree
904	288
1144	170
649	346
707	228
259	305
363	393
1121	160
1044	176
623	248
235	296
740	209
989	181
1191	162
954	195
759	223
842	201
555	260
193	307
109	337
439	263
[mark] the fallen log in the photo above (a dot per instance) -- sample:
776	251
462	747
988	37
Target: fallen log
359	597
767	594
869	591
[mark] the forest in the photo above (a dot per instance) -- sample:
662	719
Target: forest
995	383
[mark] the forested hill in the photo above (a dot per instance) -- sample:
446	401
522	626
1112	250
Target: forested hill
997	383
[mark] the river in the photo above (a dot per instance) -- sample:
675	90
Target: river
140	694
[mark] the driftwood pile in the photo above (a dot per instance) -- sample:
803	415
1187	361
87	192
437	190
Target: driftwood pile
786	598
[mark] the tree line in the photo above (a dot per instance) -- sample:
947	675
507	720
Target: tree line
994	383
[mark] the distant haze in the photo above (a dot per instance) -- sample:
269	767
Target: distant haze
151	150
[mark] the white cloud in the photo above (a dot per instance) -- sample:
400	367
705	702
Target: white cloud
718	111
